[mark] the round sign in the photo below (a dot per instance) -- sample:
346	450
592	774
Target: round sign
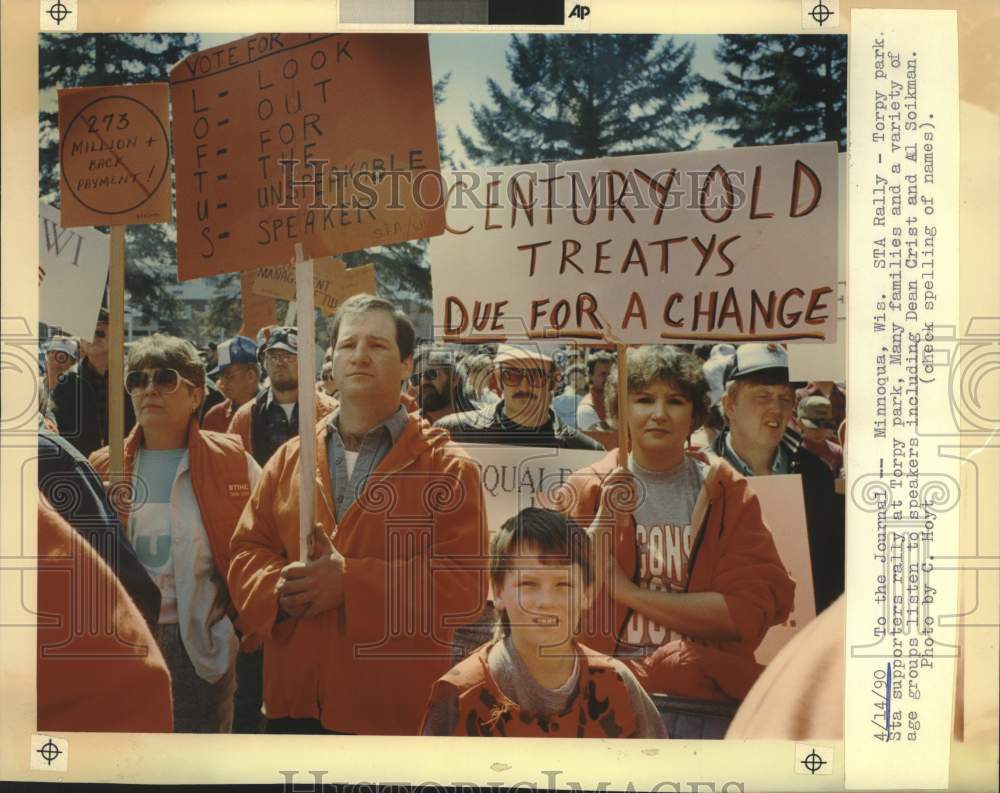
114	155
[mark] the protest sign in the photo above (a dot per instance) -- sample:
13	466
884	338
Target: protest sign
324	140
258	311
114	155
783	508
829	361
333	282
72	274
514	476
737	244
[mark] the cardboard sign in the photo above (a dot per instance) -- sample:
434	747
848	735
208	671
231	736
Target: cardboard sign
258	311
72	274
333	282
114	155
829	361
324	140
784	511
513	476
717	245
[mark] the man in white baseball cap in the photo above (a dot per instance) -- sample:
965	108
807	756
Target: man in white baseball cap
60	355
524	416
758	404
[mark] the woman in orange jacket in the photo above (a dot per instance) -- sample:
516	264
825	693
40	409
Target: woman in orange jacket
691	576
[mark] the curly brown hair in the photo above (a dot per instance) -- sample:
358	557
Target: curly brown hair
663	362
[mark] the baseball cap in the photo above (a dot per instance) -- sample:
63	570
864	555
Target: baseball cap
714	370
756	357
280	338
816	412
64	344
509	354
238	349
435	355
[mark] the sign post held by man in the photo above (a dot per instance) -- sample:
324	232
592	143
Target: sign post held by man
294	147
114	166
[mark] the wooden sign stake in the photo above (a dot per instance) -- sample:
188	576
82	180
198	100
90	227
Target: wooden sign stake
303	307
622	364
116	353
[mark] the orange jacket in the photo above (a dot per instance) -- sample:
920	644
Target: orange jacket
414	543
733	554
601	707
218	474
241	424
217	418
104	673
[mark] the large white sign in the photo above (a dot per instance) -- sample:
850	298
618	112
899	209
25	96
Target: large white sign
72	274
736	245
784	511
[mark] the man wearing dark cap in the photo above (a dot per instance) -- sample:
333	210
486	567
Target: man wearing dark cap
272	417
238	377
819	430
830	390
524	417
758	404
80	399
433	381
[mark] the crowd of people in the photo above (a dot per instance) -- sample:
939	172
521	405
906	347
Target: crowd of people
652	573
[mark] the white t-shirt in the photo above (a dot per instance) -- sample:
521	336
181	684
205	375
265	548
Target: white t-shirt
351	458
288	407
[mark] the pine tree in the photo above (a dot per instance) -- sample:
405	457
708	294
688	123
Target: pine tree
85	59
779	89
579	97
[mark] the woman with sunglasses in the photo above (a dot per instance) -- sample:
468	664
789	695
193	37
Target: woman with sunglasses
186	490
692	579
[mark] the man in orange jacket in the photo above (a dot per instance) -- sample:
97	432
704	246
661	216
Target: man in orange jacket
355	636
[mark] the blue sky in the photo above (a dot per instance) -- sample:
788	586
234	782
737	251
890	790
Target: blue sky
473	58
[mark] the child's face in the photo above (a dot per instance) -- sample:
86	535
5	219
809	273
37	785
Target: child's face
543	601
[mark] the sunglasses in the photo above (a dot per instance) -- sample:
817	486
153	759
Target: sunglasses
100	334
427	375
514	377
165	380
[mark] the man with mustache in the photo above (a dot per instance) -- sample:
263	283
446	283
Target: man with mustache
758	404
524	416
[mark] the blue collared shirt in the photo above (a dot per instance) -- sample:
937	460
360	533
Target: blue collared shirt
780	465
375	446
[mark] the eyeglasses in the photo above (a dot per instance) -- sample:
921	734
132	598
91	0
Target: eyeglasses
513	377
166	380
279	356
427	375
